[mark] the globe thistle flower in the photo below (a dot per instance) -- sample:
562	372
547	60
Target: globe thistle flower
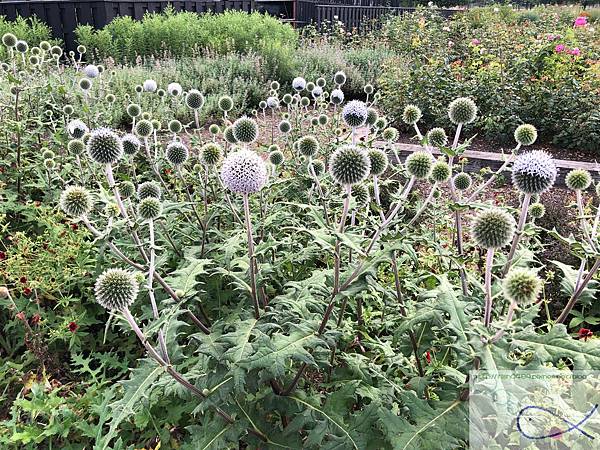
49	164
174	89
379	161
390	134
462	110
126	189
225	103
314	121
116	289
522	286
440	172
76	201
156	125
177	153
131	144
211	154
81	49
110	98
287	99
104	146
148	189
534	172
285	126
214	129
372	116
91	71
323	119
68	110
146	116
360	194
349	165
317	92
244	172
262	105
77	128
310	86
139	89
149	208
308	146
339	78
493	228
36	51
318	168
437	137
161	92
355	113
133	110
175	126
229	135
85	84
75	146
45	46
245	130
411	114
418	164
321	82
34	60
276	157
56	51
462	181
144	128
381	123
194	99
273	102
149	86
526	134
337	97
299	84
578	180
47	153
305	101
537	210
9	40
275	85
22	46
368	89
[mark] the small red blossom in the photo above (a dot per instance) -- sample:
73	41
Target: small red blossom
73	327
428	356
35	319
74	227
585	333
37	203
2	256
168	171
21	315
23	280
27	291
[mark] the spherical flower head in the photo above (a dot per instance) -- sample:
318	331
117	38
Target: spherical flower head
116	289
75	146
390	134
381	123
245	130
262	104
318	167
144	128
174	89
437	137
272	102
126	189
150	86
225	103
355	113
9	40
91	71
47	153
194	99
45	46
148	189
131	144
34	60
22	46
411	114
68	110
49	164
285	126
56	51
211	154
77	129
229	135
299	84
244	172
104	146
522	286
76	201
149	208
462	110
275	85
287	99
418	164
308	146
156	124
81	49
462	181
537	210
337	97
177	153
214	129
493	228
368	89
372	116
305	101
174	126
276	157
317	92
339	78
85	84
349	165
321	82
379	161
110	98
133	110
360	194
314	121
578	180
534	172
525	134
440	172
323	119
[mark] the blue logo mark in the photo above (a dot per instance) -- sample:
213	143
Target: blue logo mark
554	433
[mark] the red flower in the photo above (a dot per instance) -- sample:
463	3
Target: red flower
21	315
37	203
428	356
23	280
73	327
27	291
35	319
585	333
74	226
2	256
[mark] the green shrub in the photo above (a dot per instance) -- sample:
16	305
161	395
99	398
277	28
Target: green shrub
31	30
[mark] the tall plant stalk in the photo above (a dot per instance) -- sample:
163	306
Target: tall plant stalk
251	256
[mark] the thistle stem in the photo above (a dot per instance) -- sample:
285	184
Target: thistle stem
577	293
489	260
251	255
518	232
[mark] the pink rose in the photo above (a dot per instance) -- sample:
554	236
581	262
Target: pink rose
559	48
575	51
581	21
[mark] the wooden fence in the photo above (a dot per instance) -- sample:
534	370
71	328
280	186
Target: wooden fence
63	16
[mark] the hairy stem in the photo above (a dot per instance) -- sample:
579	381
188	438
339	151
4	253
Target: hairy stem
489	260
251	256
518	232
